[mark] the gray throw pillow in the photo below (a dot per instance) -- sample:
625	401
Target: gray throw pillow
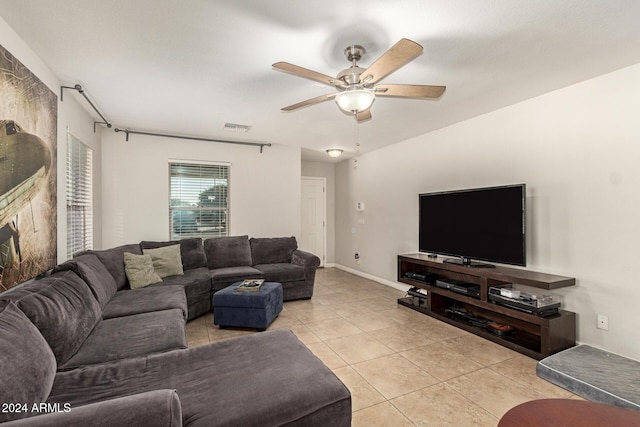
139	270
166	260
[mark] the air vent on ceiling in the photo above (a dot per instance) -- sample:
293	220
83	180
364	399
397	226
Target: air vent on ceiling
236	128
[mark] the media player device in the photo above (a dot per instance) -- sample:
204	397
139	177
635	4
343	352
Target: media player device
458	286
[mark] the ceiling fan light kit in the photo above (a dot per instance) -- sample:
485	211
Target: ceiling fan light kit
334	152
357	87
355	99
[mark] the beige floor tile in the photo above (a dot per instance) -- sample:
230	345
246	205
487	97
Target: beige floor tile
378	303
349	309
285	320
438	405
371	321
380	415
394	375
403	315
436	330
400	338
522	369
358	348
328	356
494	392
480	350
441	360
338	298
333	328
314	314
304	334
217	334
363	394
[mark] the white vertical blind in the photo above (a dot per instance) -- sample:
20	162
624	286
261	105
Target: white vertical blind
199	200
79	196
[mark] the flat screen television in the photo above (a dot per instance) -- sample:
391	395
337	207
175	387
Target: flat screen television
486	224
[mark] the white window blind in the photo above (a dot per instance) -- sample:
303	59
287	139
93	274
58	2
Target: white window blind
79	196
199	200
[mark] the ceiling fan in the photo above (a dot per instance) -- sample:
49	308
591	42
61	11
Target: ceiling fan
357	87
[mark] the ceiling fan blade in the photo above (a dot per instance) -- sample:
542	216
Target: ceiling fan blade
410	91
307	74
400	54
363	115
316	100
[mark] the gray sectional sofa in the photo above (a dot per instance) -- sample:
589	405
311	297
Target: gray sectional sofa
80	347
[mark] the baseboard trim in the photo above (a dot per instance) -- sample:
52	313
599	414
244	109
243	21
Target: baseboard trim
380	280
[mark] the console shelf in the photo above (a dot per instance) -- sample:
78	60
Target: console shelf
534	336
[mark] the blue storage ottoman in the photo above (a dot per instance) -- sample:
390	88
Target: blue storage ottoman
247	309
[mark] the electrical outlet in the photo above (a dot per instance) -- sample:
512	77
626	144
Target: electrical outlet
603	322
357	256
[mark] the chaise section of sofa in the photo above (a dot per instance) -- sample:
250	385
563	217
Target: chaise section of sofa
266	379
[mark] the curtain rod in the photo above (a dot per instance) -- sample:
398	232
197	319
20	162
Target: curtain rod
81	92
193	138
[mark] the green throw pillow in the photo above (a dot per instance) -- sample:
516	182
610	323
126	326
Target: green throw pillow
166	260
139	270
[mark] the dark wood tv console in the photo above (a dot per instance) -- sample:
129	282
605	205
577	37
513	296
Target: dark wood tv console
534	336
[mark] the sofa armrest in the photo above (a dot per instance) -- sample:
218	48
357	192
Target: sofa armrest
152	408
305	259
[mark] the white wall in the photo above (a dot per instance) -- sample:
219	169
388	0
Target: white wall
326	170
578	151
264	188
71	116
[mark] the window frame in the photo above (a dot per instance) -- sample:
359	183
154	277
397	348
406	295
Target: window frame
79	194
226	210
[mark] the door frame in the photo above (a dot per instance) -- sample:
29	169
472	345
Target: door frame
323	258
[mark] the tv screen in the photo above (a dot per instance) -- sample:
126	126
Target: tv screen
485	224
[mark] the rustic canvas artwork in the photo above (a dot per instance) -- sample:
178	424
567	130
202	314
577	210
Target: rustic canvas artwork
28	192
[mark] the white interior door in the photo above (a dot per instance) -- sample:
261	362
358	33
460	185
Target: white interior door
313	221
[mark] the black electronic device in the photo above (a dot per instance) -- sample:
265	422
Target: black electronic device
486	224
420	276
464	288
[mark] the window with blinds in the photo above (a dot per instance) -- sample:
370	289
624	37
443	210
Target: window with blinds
79	196
199	200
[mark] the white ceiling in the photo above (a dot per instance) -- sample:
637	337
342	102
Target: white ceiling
188	67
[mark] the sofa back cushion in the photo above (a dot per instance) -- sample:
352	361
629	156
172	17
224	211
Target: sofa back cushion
191	251
113	259
95	274
233	251
63	309
272	250
27	364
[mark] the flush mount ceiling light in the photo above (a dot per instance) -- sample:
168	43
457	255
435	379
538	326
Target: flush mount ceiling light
355	99
334	152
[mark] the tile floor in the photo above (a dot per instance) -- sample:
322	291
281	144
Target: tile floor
403	368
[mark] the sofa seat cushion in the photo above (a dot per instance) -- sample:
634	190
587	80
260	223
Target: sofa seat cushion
232	251
223	277
269	378
27	364
63	309
191	251
195	282
281	272
128	302
113	259
94	273
272	250
131	336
